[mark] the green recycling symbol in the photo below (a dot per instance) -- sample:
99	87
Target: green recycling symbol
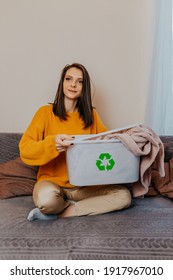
105	162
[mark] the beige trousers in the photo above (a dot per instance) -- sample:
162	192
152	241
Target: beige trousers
90	200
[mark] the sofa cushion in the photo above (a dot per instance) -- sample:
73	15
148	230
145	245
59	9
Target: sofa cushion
16	178
9	145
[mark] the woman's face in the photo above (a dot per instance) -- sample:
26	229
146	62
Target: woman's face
73	83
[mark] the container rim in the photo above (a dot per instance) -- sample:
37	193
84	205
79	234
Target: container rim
94	141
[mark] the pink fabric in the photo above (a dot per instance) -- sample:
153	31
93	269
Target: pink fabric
144	142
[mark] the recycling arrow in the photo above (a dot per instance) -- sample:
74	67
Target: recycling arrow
105	162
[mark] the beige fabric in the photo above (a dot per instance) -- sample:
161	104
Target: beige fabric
91	200
102	199
49	197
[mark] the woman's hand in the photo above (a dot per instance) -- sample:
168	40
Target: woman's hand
61	144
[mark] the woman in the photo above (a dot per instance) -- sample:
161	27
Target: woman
44	144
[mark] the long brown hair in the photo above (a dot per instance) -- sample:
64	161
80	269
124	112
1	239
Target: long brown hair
84	103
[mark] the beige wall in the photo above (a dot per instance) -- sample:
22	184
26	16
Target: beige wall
112	38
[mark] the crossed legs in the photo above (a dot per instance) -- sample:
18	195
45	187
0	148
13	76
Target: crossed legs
53	201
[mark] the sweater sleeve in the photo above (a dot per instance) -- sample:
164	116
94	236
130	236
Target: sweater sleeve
35	149
98	124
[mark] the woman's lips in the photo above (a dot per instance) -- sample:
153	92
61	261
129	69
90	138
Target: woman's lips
72	90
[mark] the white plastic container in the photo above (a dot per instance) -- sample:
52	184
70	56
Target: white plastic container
100	162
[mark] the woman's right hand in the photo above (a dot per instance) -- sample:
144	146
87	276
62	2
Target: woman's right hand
61	144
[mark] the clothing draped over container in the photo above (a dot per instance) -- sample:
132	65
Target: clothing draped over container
145	143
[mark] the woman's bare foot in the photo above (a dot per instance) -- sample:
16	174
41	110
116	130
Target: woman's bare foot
70	211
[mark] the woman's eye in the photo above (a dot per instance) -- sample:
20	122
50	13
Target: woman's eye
80	82
67	79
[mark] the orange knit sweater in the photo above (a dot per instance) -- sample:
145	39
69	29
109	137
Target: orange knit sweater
37	146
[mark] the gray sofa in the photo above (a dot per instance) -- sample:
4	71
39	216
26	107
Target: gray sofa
143	231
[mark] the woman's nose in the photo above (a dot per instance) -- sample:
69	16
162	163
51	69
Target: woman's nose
73	83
